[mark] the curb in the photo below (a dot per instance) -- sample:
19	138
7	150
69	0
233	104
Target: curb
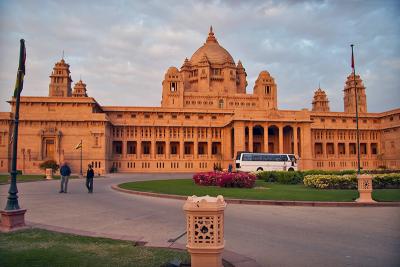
268	202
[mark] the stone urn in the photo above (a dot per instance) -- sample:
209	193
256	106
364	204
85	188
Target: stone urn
49	174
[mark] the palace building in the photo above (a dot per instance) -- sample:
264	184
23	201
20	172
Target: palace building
206	117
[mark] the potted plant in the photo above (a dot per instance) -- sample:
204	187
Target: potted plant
50	166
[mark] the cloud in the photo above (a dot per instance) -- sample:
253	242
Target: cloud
123	48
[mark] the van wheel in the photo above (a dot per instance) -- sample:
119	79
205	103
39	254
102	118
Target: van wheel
291	169
260	169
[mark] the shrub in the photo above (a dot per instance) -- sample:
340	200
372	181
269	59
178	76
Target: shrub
283	177
323	172
49	164
331	181
379	181
225	179
390	180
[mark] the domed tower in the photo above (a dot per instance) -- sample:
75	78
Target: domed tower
265	88
172	94
80	89
320	102
214	70
60	80
349	95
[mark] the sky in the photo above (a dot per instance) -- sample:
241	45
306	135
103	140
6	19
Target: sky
122	49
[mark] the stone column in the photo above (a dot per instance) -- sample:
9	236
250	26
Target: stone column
306	158
139	143
153	143
295	145
239	137
181	144
196	143
266	137
250	137
167	143
209	142
280	139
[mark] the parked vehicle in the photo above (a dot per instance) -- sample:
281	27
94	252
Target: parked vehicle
251	162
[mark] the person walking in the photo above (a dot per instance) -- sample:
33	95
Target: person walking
65	172
89	179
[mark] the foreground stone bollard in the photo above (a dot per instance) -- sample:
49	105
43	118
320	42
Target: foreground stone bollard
365	188
12	220
49	174
205	230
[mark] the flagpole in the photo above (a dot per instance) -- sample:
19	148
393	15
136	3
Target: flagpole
81	157
356	96
12	202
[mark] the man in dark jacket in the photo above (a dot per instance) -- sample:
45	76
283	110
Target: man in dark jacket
65	172
89	179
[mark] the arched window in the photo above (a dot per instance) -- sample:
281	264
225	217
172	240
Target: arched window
173	86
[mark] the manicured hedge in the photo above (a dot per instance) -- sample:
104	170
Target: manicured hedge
379	181
225	179
282	177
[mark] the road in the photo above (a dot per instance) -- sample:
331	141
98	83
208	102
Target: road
272	235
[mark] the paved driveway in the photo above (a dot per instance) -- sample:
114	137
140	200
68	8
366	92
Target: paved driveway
272	235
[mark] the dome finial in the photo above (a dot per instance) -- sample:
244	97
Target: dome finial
211	38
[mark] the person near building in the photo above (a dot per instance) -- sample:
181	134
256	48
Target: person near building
65	172
89	178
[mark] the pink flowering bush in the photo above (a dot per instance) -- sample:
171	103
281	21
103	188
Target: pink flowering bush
225	179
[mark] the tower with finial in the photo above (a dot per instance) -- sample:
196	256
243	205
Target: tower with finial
60	80
320	101
349	98
80	89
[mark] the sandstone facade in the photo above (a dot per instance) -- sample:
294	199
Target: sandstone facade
205	118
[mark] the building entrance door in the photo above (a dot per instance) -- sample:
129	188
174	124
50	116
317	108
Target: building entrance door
49	148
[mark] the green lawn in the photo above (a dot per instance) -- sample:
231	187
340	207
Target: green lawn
36	247
4	178
262	190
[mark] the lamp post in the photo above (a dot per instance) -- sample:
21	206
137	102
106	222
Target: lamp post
13	216
356	96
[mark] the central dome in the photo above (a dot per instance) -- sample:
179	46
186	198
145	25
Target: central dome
215	53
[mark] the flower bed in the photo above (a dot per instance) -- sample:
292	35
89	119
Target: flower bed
379	181
225	179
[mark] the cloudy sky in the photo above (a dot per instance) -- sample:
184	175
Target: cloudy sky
123	48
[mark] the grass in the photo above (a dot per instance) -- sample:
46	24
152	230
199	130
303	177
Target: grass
262	191
36	247
4	178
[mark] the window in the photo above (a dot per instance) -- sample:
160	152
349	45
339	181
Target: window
146	148
133	115
187	117
146	116
119	115
187	149
117	147
160	116
174	148
131	147
173	86
374	148
201	117
160	149
214	117
174	116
